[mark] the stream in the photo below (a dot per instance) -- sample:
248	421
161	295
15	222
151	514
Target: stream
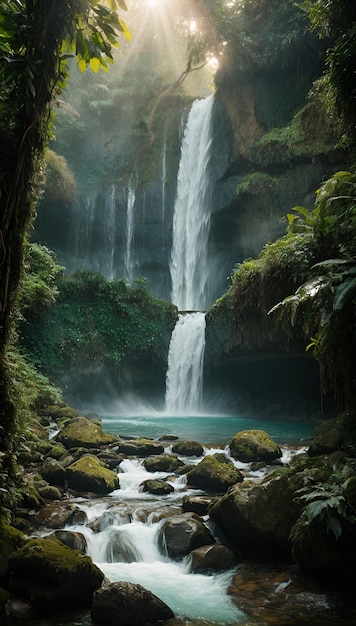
121	532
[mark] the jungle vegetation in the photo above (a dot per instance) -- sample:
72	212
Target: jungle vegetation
35	41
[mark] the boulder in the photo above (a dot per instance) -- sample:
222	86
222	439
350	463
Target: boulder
81	432
188	448
10	540
319	552
257	518
57	515
196	504
254	445
326	443
162	463
74	540
211	475
128	604
53	472
180	534
156	487
140	447
49	492
52	576
215	558
88	474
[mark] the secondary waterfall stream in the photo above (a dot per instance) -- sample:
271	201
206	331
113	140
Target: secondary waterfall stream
189	263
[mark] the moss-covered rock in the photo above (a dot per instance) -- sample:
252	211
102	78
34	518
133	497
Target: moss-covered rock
254	445
214	476
83	432
53	576
257	518
156	487
140	447
88	474
49	492
326	443
162	463
215	558
10	540
188	448
350	491
53	472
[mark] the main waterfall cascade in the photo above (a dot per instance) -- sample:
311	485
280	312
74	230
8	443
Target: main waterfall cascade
189	263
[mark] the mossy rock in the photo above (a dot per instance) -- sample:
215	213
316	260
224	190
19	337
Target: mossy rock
30	497
326	444
49	492
162	463
53	576
53	472
88	474
213	476
156	487
254	445
188	448
57	412
81	432
140	447
11	539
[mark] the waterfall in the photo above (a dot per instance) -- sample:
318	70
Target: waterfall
189	263
184	381
130	215
191	221
110	223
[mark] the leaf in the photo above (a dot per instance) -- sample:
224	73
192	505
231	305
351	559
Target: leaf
125	31
333	526
122	4
343	293
94	64
82	65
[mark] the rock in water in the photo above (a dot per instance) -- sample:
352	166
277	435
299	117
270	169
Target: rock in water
128	604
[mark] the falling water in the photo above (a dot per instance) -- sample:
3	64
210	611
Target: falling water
110	222
129	233
184	381
189	263
191	221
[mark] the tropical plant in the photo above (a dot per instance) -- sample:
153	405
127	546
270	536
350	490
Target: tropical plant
326	301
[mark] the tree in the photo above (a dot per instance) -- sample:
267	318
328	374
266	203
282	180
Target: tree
36	39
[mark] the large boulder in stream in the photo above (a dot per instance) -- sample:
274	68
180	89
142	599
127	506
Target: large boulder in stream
214	476
139	447
257	518
88	474
52	576
254	445
128	604
180	534
81	432
156	487
188	448
162	463
215	558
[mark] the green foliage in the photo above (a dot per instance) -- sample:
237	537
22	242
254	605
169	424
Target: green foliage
39	284
256	183
325	505
335	20
60	183
326	301
97	321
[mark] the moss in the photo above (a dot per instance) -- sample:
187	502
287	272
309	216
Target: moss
60	183
350	491
82	432
89	474
254	445
10	540
256	183
50	574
